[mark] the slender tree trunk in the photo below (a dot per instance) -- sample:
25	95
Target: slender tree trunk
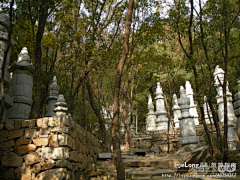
43	14
115	122
96	111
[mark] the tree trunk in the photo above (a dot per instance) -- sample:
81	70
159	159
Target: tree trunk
115	122
96	111
43	14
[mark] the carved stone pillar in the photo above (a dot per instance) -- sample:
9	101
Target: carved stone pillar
193	107
187	124
150	121
162	120
61	106
21	87
176	111
52	98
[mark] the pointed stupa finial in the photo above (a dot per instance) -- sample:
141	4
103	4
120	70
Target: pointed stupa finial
23	57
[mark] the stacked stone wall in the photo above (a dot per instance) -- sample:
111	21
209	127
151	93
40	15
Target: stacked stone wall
46	148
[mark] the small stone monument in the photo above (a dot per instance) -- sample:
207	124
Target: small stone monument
232	141
5	56
207	112
52	98
150	121
219	78
193	107
187	125
176	111
133	124
237	112
61	106
162	120
21	87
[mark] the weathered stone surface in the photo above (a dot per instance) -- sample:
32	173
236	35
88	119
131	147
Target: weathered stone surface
47	164
9	174
36	168
29	123
9	125
53	121
26	173
66	140
53	140
56	174
18	172
23	149
14	134
6	145
73	156
1	125
17	124
11	159
61	129
31	133
164	147
41	141
31	158
105	155
64	164
55	152
42	122
22	141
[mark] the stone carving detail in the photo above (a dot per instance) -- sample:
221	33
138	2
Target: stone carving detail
219	78
176	111
162	120
207	112
193	107
4	47
187	125
150	121
21	87
52	98
61	106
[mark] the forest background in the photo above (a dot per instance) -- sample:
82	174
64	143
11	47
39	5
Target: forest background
81	41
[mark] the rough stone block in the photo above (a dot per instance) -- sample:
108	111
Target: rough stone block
53	140
104	155
64	121
6	145
41	141
73	156
23	149
56	174
44	132
64	164
1	125
29	123
47	164
9	174
42	122
22	141
18	124
26	173
31	158
11	159
36	168
31	133
58	129
77	145
15	133
53	121
66	140
55	152
9	125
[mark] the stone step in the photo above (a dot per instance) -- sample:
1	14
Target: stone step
160	162
147	172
